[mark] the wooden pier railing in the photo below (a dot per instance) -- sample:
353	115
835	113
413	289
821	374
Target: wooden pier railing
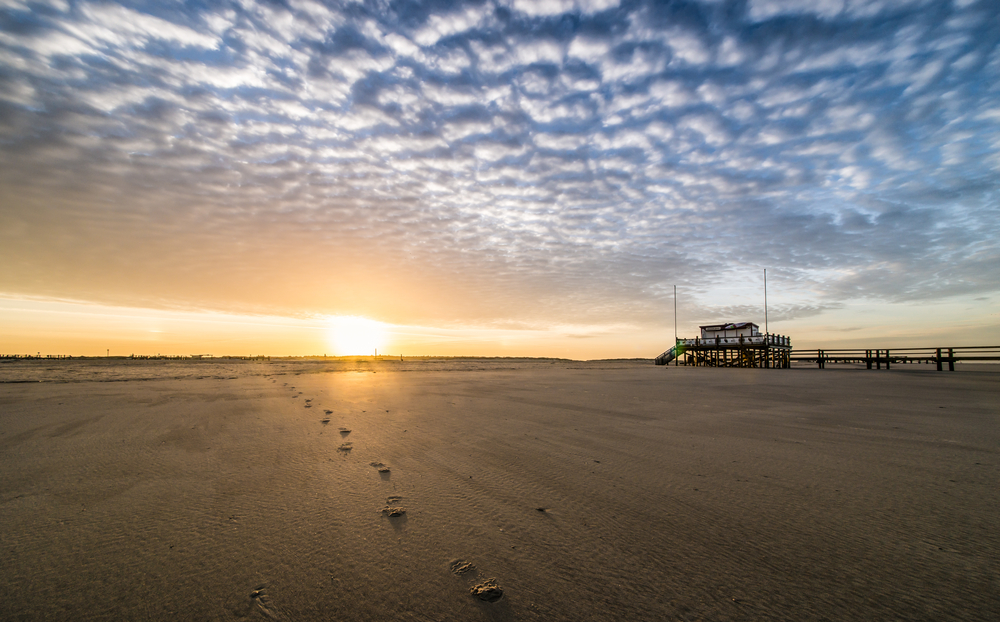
876	358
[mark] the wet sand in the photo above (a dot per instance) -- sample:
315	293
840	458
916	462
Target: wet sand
347	491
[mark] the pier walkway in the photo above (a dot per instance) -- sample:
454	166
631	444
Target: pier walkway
876	358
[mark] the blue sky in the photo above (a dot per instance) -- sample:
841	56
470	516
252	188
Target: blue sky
552	166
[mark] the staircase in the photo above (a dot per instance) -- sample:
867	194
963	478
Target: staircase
667	356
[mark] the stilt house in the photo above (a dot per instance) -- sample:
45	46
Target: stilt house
731	344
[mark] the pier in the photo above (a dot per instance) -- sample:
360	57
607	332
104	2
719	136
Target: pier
877	358
775	352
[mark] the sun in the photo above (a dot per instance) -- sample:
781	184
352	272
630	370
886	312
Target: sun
352	335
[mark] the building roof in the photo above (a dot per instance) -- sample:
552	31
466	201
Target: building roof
729	326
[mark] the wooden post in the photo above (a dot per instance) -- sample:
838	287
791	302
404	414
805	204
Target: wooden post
887	360
951	359
938	359
878	359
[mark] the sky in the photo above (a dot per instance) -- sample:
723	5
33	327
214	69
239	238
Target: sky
496	178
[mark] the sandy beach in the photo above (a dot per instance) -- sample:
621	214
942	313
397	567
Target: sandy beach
617	490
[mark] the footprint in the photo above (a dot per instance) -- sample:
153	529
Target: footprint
325	421
392	508
344	431
262	601
381	467
345	447
460	566
329	412
489	590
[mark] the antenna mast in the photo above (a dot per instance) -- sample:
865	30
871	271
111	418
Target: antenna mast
765	302
675	315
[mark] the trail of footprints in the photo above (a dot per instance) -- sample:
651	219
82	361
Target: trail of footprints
485	589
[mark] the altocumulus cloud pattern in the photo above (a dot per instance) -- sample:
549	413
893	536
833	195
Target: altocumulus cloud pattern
523	160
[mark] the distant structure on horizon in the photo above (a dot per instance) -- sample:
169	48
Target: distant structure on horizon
732	344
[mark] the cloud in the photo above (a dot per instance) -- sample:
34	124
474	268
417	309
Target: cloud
548	8
760	10
554	162
440	26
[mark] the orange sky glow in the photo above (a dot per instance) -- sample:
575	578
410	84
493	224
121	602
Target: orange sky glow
49	327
